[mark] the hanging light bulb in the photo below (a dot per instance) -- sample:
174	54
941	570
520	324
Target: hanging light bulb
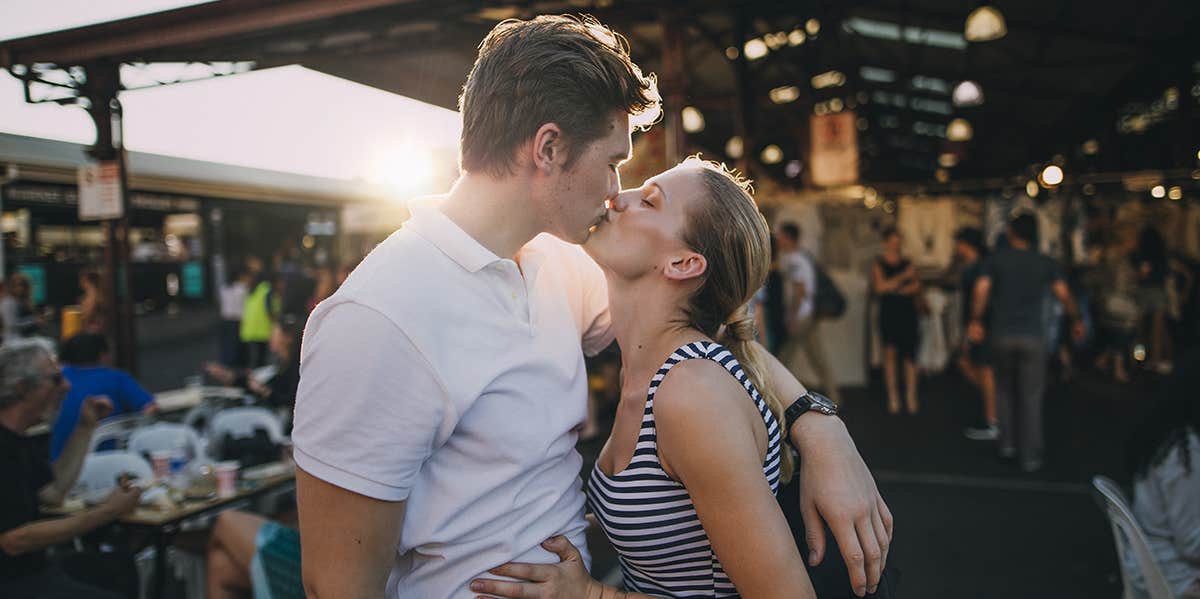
693	119
1158	192
772	154
1051	175
733	147
967	93
985	24
959	130
1032	189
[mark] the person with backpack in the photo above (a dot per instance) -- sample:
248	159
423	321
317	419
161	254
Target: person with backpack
804	309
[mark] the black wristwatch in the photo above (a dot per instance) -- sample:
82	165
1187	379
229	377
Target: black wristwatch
809	401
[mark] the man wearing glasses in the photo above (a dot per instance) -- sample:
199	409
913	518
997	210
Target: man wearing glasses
31	389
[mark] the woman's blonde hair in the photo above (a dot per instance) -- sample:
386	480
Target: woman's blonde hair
735	240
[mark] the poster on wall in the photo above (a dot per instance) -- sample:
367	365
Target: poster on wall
100	191
37	281
834	157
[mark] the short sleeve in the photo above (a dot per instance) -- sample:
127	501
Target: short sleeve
135	396
370	410
1179	487
597	320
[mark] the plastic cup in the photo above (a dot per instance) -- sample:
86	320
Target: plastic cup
161	462
226	478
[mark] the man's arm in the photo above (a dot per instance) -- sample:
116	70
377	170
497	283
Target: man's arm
44	533
347	541
836	488
70	462
1063	292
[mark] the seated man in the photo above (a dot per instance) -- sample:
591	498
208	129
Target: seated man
86	357
31	389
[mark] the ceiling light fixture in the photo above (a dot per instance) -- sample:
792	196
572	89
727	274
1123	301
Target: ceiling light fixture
967	93
985	24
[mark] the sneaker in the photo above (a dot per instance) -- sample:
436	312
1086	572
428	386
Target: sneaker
1031	465
1008	452
990	432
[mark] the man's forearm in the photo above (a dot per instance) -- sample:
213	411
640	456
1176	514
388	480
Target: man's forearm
69	464
44	533
979	303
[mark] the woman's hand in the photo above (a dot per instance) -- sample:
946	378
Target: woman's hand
568	579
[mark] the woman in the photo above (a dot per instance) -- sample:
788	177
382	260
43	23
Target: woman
1151	265
280	390
685	486
895	281
94	315
16	310
1165	459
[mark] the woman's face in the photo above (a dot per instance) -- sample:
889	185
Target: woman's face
643	233
893	242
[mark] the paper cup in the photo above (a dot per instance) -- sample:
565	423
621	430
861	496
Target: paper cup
161	462
226	478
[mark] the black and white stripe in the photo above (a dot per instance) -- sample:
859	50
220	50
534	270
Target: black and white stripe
650	519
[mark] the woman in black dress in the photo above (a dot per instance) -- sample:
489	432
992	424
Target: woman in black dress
895	282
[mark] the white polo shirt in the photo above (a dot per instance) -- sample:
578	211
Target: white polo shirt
445	376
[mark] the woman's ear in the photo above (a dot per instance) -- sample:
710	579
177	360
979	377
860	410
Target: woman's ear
688	265
548	149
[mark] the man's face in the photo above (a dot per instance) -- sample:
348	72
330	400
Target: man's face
48	389
580	194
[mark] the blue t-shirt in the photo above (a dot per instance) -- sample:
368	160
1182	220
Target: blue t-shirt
127	396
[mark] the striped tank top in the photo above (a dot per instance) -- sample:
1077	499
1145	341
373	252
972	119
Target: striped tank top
650	519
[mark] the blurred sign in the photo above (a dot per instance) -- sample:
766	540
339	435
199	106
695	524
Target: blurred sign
834	159
100	191
37	281
193	280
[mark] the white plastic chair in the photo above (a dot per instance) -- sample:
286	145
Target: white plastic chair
166	436
1128	535
240	423
117	430
101	469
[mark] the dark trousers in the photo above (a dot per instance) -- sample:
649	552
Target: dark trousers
54	583
233	351
1020	366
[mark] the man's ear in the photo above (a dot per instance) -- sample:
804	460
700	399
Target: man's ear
684	266
549	151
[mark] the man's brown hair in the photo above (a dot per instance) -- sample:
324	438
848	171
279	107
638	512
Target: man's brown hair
572	71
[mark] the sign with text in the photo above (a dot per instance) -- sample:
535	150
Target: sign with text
834	158
100	191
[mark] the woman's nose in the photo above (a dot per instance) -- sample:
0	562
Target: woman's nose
623	200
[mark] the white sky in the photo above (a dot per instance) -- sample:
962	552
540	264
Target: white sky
288	119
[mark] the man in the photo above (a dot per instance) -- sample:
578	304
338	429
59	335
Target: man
89	375
442	385
800	293
974	359
31	388
1014	281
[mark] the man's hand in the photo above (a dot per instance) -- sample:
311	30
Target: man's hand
975	331
124	499
1078	330
837	489
94	409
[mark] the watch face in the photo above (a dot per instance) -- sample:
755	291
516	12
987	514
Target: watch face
822	404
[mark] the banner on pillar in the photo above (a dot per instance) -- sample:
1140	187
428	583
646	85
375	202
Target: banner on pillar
834	158
100	191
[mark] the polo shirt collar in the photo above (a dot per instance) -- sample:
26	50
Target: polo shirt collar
443	233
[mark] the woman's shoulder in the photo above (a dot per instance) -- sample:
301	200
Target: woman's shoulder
698	390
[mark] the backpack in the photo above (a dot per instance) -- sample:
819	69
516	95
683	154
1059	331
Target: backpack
829	302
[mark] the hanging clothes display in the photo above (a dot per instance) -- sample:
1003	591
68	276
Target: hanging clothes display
933	351
807	216
1190	236
1050	218
927	226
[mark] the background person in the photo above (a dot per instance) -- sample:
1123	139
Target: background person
974	359
31	389
1165	457
17	311
88	370
93	311
800	290
894	279
1014	279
